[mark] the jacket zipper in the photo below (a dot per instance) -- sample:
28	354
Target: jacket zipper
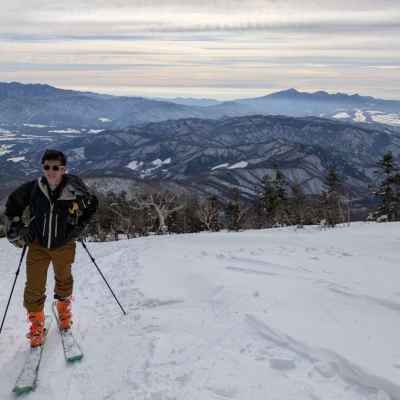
50	223
44	225
55	235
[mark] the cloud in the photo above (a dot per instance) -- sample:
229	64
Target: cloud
85	18
223	44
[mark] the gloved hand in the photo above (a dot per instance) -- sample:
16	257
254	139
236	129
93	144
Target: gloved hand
26	235
19	235
76	233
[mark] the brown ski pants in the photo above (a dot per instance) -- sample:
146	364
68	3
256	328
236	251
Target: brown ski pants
37	264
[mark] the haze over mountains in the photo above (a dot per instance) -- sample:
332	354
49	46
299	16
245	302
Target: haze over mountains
43	104
204	148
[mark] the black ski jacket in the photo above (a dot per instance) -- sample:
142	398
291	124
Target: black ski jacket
55	217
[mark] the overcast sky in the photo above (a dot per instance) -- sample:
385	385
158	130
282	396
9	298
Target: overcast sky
220	48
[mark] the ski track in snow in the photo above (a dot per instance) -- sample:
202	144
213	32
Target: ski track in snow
281	314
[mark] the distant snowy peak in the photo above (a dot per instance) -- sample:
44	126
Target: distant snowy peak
369	116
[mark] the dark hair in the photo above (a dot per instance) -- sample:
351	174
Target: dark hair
54	155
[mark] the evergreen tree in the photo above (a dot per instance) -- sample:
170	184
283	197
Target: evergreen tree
331	198
389	188
280	185
233	211
274	198
333	181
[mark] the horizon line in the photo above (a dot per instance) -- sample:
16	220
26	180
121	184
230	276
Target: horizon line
114	92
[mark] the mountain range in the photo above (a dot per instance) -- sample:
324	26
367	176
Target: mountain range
45	105
212	156
120	142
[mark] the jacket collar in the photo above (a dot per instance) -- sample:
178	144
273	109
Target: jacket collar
67	192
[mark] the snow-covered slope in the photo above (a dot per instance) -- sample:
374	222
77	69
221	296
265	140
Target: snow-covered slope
275	314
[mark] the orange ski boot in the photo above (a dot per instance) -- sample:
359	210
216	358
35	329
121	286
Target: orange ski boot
36	332
64	313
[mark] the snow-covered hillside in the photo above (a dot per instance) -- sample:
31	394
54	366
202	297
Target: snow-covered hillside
274	314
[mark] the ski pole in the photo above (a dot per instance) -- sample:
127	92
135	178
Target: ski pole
101	274
12	290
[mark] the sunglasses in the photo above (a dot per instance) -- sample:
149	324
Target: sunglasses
54	167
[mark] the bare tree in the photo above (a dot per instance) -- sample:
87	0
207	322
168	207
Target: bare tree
163	203
208	213
298	205
126	214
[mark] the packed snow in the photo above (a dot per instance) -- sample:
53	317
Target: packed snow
286	313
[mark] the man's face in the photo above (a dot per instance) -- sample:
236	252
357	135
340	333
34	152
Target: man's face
53	171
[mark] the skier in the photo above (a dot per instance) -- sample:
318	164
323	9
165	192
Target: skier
48	215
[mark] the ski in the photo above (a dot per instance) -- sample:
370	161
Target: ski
71	347
27	379
72	350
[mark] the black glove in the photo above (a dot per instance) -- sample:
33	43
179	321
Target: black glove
19	235
76	233
26	235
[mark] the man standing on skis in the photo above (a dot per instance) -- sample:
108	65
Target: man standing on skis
48	215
